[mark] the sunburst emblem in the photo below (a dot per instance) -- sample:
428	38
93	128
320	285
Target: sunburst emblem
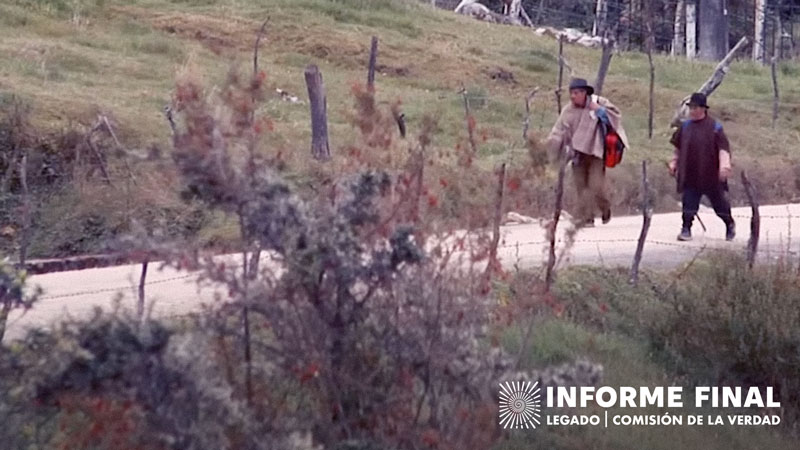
520	404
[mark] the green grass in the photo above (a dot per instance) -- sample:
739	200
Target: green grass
619	336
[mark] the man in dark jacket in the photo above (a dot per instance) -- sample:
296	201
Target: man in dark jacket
702	165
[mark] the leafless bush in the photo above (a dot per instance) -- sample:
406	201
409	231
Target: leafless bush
383	341
353	320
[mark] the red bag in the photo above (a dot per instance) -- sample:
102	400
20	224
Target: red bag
613	148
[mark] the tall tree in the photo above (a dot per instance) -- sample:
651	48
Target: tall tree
713	29
758	33
600	18
679	29
691	29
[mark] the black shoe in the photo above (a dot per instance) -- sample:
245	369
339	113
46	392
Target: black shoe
686	235
730	231
606	216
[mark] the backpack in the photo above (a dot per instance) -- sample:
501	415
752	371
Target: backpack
613	147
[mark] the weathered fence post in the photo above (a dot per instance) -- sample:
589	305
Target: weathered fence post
560	70
470	122
647	214
26	210
565	154
142	278
320	148
373	58
400	118
775	99
498	218
755	220
526	125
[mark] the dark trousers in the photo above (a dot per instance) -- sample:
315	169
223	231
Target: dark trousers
717	197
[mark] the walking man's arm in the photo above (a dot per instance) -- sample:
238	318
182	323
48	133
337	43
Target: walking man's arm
724	148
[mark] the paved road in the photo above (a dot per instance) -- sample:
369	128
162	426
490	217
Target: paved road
77	293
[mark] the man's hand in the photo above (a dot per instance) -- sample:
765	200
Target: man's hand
724	174
673	167
724	165
593	106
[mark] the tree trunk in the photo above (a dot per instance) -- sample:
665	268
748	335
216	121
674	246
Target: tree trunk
650	43
539	12
711	84
713	34
758	33
691	29
600	17
778	47
319	114
605	63
679	29
515	9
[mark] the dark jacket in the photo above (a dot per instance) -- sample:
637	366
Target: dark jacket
697	148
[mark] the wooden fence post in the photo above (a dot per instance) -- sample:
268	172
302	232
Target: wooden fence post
498	217
373	57
560	70
320	148
526	125
775	99
755	221
647	214
470	122
142	278
551	261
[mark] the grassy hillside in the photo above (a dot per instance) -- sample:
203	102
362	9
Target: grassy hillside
70	60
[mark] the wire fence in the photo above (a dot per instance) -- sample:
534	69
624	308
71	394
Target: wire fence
562	243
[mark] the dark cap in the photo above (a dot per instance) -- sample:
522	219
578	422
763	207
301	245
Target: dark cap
580	83
698	99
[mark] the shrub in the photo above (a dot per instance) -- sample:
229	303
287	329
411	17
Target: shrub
720	323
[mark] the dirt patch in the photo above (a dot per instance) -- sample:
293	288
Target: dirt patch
233	34
393	71
501	75
216	34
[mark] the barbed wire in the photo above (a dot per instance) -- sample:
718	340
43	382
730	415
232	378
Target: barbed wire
115	289
194	274
505	245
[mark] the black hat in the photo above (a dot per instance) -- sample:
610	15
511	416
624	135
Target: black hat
580	83
698	99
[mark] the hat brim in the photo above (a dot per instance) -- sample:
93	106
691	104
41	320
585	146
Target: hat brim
697	104
589	90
